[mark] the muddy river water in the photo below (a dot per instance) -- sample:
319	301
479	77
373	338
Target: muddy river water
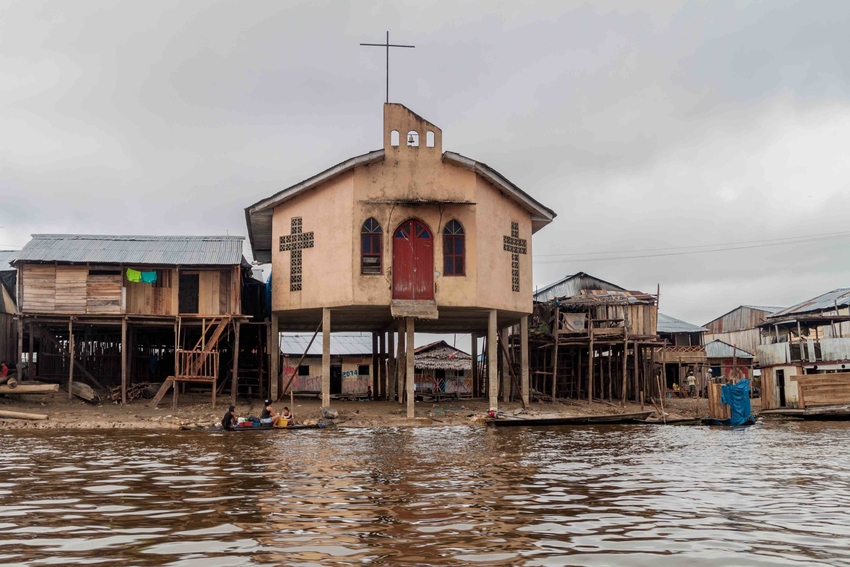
772	494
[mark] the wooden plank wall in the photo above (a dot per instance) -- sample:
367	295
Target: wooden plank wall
103	293
209	285
768	389
39	288
71	289
716	408
816	390
149	299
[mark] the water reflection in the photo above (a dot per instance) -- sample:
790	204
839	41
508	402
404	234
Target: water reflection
772	494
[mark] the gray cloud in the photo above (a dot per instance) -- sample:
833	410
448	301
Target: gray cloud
643	127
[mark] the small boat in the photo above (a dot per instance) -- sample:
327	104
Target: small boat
614	419
676	421
218	429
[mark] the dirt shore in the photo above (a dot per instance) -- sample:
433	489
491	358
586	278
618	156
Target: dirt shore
195	410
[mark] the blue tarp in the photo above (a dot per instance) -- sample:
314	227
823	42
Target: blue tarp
737	397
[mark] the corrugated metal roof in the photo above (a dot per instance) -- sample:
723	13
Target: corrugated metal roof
719	349
764	308
667	324
138	250
825	302
6	257
573	285
342	344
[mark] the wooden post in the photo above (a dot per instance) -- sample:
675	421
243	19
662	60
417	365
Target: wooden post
556	335
375	381
20	352
635	349
492	360
234	381
124	361
326	357
625	370
506	378
474	351
391	366
523	360
71	357
411	389
30	366
590	366
274	357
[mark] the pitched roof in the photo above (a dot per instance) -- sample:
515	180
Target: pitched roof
137	250
720	349
342	344
825	302
667	324
441	356
561	288
6	257
754	307
258	216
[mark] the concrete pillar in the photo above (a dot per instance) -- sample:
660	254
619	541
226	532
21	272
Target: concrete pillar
505	369
401	366
326	357
392	363
474	349
410	368
382	365
274	357
492	360
523	359
376	388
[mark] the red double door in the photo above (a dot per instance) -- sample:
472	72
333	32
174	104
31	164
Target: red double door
413	261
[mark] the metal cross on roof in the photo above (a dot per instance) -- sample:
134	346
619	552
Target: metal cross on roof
387	45
295	243
516	246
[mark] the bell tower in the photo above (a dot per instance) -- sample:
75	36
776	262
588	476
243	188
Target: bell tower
405	131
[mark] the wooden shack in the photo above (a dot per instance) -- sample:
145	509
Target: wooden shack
683	352
129	309
442	371
596	344
740	326
8	308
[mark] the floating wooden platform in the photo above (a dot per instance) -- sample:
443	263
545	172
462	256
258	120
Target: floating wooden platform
615	419
821	413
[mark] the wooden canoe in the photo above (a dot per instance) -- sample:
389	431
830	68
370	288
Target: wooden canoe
615	419
272	428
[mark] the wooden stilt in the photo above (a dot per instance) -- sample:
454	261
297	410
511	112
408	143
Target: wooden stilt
71	354
234	381
20	353
590	363
30	367
556	336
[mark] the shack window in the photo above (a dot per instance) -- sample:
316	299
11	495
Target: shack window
371	245
454	249
363	370
188	293
439	374
163	278
304	370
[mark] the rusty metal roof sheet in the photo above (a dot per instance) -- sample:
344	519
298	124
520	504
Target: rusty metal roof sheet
137	250
719	349
573	285
667	324
825	302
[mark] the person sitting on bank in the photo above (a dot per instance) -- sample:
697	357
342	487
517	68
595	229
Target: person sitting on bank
269	416
4	370
229	418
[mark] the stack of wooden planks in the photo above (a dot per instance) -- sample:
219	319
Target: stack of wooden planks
135	392
817	390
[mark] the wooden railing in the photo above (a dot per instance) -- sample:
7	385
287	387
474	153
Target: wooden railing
197	366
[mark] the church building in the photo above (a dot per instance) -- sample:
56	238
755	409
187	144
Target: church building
401	239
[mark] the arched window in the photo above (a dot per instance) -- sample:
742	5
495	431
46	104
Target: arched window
394	136
413	138
429	139
454	249
370	247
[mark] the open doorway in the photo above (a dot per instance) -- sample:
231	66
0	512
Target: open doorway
188	293
336	379
780	383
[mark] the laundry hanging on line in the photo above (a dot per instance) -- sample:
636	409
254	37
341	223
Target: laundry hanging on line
136	276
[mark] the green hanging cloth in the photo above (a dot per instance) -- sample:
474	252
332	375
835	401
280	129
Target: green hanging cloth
134	276
148	277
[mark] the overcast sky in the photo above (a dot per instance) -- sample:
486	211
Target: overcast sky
684	124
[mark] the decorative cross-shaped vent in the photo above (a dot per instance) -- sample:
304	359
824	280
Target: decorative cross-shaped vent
516	246
295	243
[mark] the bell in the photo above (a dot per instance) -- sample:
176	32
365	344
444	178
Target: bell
410	140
